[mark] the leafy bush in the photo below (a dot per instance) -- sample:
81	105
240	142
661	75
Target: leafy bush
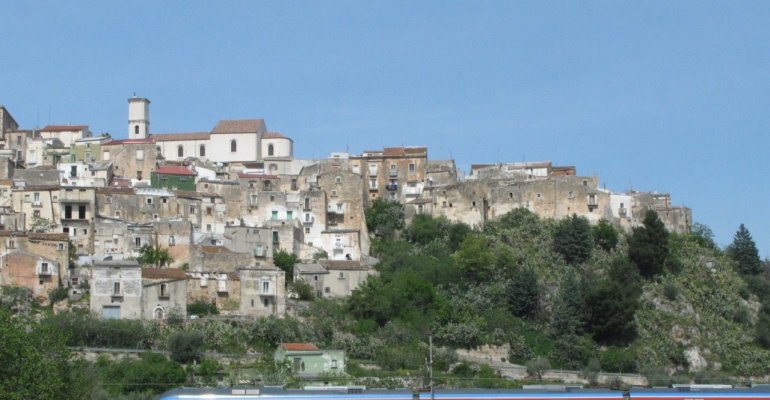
58	294
202	307
303	289
185	346
670	291
618	359
537	367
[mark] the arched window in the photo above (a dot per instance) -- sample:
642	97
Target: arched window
179	151
270	150
136	129
202	151
233	146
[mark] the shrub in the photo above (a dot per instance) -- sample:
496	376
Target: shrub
618	359
202	307
303	290
670	291
58	294
185	346
537	367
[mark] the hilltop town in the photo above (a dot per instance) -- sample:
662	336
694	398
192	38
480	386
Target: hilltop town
77	210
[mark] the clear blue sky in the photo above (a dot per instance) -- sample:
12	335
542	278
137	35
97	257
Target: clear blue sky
666	96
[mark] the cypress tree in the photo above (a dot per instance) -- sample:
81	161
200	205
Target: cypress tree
744	252
648	246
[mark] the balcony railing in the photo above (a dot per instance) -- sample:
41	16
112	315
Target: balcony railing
393	172
392	187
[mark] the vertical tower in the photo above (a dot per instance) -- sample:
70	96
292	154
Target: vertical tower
138	117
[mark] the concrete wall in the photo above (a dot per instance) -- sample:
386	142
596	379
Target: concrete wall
263	291
104	275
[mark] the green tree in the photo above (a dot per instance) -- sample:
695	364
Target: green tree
523	293
605	235
612	303
743	251
202	307
425	229
568	316
155	256
385	218
537	367
572	239
648	246
703	235
285	261
186	347
34	362
475	257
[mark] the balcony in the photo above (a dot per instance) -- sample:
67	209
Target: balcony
308	220
335	208
44	270
393	172
373	188
266	289
412	191
392	187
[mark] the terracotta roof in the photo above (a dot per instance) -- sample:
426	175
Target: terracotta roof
115	190
163	273
273	135
174	170
49	236
128	141
64	128
246	175
166	137
299	346
403	151
240	126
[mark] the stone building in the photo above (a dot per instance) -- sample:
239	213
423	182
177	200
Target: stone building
263	291
250	240
133	159
164	291
220	289
67	134
116	289
392	173
32	271
333	278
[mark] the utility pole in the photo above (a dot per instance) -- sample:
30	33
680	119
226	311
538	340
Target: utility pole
430	365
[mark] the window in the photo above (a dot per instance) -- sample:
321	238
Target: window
273	167
192	209
60	246
163	290
164	199
36	213
171	241
136	129
140	155
73	171
208	227
265	287
272	198
307	230
327	290
270	150
339	207
209	211
334	193
116	288
338	179
36	198
290	215
202	151
373	183
274	215
307	203
180	151
252	302
266	302
149	200
138	242
139	175
233	146
44	268
106	156
334	364
412	168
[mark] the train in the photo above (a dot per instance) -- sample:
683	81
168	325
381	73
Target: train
677	392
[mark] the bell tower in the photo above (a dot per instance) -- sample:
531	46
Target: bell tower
138	117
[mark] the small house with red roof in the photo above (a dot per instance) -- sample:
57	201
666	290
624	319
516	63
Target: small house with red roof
173	177
309	361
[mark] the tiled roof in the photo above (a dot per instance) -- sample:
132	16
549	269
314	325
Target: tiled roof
49	236
128	141
273	135
299	346
64	128
403	151
240	126
163	273
167	137
246	175
174	170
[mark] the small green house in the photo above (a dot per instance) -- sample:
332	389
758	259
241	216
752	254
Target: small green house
173	177
308	361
